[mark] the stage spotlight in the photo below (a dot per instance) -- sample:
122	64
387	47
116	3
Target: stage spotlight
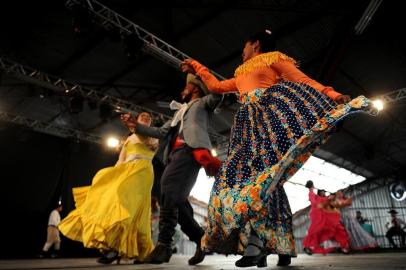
112	142
378	104
214	152
132	46
397	191
75	104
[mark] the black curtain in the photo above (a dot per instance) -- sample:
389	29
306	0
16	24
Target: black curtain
37	170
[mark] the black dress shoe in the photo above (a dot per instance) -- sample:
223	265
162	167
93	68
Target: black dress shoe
161	253
308	251
44	254
109	257
198	257
248	261
284	260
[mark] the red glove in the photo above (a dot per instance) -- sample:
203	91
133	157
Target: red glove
210	164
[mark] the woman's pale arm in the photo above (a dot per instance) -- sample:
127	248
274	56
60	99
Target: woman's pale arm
121	156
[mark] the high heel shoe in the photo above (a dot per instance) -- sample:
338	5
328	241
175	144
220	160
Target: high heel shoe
258	260
109	257
284	260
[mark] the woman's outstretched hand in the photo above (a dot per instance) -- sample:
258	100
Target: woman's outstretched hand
343	99
129	121
187	67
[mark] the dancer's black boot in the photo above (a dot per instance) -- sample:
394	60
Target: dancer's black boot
168	218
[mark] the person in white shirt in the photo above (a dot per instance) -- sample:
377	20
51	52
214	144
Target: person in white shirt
53	238
395	226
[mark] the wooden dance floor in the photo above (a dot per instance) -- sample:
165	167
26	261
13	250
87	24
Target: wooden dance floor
373	261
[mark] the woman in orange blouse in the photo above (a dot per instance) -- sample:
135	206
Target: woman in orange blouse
283	117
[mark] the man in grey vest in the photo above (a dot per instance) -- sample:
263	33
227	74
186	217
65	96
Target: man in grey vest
184	147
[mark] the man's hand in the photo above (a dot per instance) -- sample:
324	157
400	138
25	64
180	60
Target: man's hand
186	66
343	99
213	168
129	121
210	164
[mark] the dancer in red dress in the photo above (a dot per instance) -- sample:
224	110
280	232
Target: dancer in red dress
325	224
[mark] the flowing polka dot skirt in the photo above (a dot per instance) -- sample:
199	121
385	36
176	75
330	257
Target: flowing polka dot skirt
275	131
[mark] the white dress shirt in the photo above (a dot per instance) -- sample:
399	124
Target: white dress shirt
391	223
54	218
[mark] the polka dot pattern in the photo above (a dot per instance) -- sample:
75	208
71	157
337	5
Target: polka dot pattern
274	133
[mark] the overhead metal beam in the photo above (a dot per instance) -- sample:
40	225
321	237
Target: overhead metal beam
152	44
367	16
63	87
51	129
342	41
393	96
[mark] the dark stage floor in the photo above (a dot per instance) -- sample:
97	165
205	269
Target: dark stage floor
375	261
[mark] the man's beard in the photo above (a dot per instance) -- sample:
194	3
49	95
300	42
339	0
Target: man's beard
186	98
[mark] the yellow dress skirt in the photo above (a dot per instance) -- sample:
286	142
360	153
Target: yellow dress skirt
115	211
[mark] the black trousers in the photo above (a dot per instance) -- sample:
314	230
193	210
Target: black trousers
396	231
178	179
158	170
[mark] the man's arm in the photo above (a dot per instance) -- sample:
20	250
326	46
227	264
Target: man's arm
131	123
154	132
211	101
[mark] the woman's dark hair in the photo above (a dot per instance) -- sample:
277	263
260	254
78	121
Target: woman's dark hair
138	115
266	40
320	191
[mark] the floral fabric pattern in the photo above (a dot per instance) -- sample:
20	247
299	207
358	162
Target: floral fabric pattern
275	131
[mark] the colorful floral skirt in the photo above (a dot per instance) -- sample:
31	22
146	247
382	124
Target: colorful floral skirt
275	131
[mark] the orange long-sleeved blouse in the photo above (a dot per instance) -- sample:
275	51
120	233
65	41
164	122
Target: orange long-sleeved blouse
261	71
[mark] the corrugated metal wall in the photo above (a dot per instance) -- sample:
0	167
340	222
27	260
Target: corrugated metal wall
373	204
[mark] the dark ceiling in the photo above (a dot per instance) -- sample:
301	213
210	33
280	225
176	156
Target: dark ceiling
319	34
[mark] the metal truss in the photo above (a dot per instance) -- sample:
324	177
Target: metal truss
152	44
367	16
394	96
63	87
49	128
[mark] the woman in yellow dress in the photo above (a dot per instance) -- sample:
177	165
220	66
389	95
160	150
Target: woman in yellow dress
114	213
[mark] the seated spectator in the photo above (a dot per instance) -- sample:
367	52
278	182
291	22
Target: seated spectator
395	227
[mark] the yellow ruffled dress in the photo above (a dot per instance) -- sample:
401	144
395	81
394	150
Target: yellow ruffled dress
115	211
